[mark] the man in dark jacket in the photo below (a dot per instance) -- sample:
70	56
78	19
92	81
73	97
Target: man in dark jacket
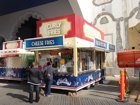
34	79
49	80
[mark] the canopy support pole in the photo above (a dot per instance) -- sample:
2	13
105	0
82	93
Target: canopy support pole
75	60
36	58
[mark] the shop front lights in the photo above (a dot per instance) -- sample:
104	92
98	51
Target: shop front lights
44	49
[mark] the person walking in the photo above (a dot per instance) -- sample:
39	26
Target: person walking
49	80
34	79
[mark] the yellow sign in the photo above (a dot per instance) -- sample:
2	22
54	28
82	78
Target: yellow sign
43	53
12	45
54	53
58	27
90	32
62	61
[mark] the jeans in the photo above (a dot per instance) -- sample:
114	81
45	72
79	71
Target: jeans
31	90
48	86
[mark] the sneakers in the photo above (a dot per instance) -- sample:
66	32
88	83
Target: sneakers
37	101
44	95
49	95
29	102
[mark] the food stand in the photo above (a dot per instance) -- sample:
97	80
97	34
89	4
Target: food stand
13	61
76	49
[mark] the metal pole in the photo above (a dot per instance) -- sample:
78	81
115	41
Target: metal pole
122	85
125	80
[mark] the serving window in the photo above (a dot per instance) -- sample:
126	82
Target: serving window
62	60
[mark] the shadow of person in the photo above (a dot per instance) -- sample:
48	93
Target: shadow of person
21	97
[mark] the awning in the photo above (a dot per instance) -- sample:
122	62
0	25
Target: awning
103	45
10	51
10	55
100	45
13	52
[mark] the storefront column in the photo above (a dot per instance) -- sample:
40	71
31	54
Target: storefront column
75	60
36	58
94	60
104	64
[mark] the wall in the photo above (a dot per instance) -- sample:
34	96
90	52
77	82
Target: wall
114	19
10	23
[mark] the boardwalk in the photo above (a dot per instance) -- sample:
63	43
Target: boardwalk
14	93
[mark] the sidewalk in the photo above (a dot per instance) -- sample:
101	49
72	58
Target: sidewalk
14	93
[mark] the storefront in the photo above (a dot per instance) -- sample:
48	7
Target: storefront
75	48
13	61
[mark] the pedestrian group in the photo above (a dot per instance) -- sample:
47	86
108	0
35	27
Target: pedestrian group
36	76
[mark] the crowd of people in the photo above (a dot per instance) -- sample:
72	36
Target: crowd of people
36	76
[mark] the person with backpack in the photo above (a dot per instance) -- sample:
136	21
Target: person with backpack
48	78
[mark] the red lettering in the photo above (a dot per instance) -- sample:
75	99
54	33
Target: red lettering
66	52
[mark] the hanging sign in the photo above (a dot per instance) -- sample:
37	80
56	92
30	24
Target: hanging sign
69	56
54	53
12	44
66	54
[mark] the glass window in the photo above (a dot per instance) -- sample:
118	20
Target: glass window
98	60
62	60
85	60
3	62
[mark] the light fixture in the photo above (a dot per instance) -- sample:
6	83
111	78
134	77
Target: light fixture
44	49
18	38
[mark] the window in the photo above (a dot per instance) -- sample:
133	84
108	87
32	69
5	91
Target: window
85	60
98	60
3	62
62	60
